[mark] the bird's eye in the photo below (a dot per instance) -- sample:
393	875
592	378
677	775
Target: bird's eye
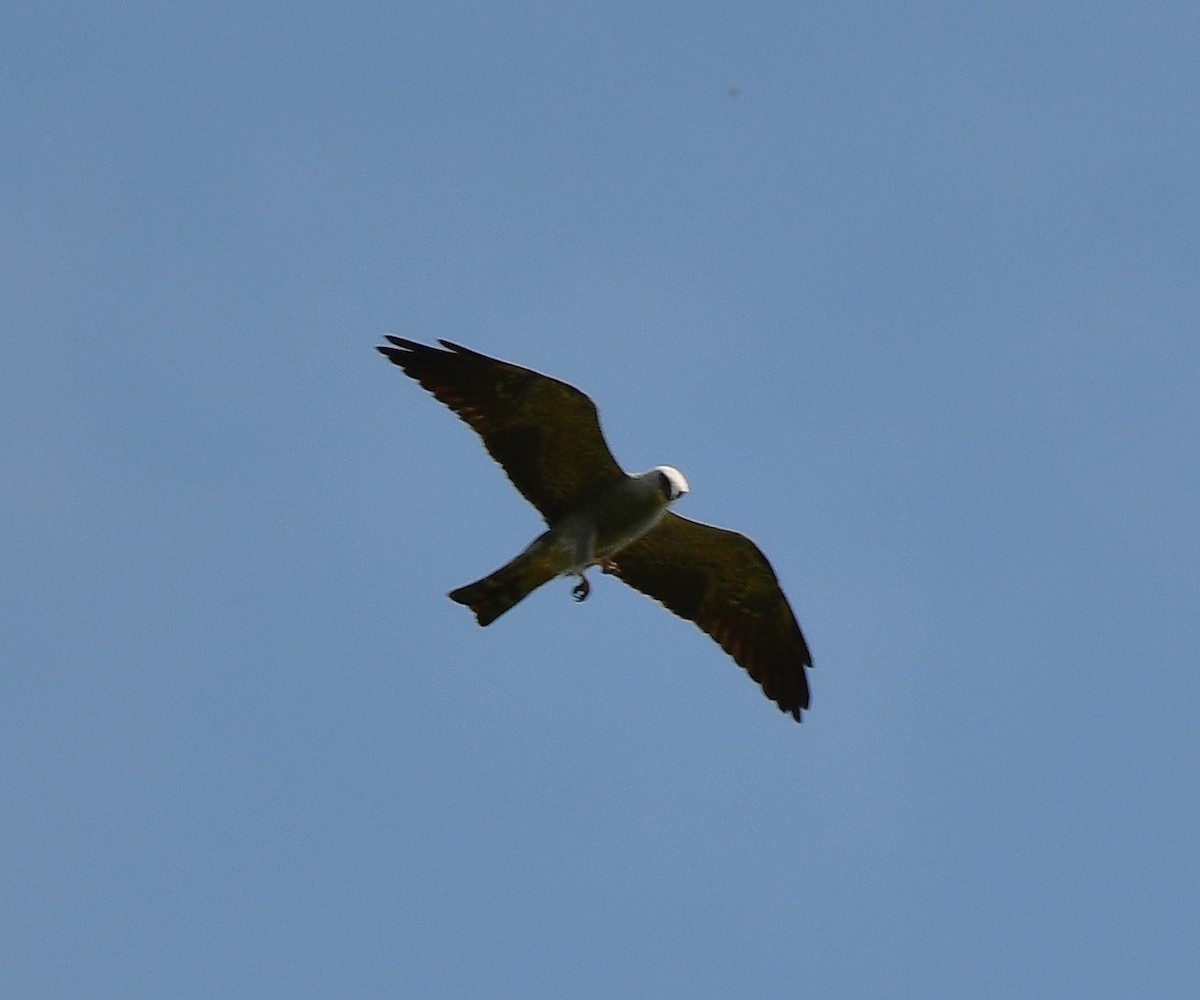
665	484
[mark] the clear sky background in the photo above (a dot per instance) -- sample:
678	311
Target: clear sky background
908	292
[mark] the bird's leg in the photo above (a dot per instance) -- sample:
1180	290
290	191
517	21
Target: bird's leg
583	587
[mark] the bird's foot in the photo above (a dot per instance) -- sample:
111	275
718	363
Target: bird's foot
607	566
581	589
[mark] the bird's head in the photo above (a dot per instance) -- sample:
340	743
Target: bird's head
673	484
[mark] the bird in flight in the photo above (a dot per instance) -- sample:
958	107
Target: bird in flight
546	436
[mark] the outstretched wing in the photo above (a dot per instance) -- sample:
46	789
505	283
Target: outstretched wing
721	581
544	433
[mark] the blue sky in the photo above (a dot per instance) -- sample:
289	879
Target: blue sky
910	296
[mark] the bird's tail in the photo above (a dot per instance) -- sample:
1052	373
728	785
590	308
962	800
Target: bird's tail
490	597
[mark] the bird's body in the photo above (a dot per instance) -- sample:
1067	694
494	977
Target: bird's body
546	436
587	536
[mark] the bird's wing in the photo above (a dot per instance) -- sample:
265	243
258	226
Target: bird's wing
544	433
721	581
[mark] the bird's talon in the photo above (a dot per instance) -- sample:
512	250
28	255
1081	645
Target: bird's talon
581	589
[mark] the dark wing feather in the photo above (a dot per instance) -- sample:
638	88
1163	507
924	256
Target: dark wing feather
722	581
544	433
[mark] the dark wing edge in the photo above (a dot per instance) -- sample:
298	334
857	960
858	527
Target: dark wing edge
544	433
721	581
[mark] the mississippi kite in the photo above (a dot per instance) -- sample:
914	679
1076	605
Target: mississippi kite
546	436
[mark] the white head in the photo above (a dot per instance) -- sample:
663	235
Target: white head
674	485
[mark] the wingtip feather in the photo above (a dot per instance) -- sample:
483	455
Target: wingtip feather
398	350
